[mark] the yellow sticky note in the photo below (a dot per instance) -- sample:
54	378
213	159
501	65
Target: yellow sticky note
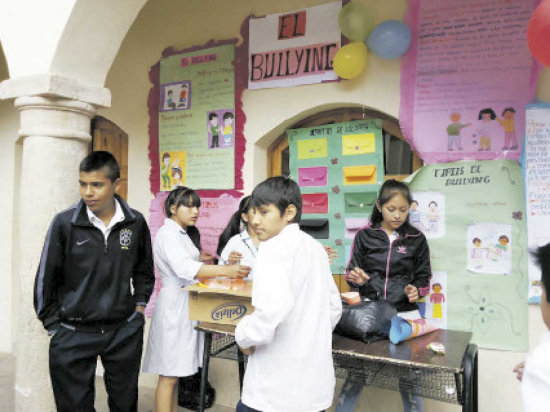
359	175
355	144
312	148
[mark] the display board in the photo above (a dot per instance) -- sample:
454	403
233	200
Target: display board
339	169
537	187
197	119
473	214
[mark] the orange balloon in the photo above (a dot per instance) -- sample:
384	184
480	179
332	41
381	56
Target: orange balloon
538	33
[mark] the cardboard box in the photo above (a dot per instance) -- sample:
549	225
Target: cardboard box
219	305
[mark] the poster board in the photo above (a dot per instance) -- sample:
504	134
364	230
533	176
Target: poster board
339	169
466	79
197	119
293	48
537	187
477	239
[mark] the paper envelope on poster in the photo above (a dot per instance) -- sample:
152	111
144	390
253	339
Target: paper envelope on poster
315	203
312	148
354	224
312	176
317	228
356	144
359	175
359	202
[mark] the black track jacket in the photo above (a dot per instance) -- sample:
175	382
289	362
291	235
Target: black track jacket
393	266
85	282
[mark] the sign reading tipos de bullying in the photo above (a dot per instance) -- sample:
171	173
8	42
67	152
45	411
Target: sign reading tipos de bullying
294	48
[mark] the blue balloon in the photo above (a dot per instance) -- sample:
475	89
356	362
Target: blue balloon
390	39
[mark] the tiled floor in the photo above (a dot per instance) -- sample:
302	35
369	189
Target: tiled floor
146	401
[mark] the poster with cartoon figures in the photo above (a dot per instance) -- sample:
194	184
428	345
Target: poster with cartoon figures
466	79
488	248
197	117
427	213
479	259
220	125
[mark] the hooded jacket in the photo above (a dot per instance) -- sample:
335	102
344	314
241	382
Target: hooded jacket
90	283
392	266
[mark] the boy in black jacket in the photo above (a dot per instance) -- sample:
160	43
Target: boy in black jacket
93	282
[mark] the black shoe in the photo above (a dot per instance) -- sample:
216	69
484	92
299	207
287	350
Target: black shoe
189	392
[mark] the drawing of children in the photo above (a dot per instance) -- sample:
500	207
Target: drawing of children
165	170
183	96
214	129
177	173
501	247
415	217
170	101
228	118
486	128
477	253
510	139
433	217
437	299
453	132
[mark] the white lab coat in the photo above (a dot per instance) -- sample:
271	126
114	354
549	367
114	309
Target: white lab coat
296	306
535	385
243	244
174	347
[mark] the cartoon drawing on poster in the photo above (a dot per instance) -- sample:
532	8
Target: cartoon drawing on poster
427	213
507	121
489	246
433	306
172	170
487	129
220	126
175	96
453	132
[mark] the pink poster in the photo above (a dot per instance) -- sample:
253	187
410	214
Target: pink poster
214	215
467	79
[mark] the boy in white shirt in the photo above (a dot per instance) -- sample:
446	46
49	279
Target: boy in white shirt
534	373
288	337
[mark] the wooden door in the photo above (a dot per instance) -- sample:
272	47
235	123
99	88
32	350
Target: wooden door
109	137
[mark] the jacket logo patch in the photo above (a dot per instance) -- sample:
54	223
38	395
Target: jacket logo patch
402	250
125	238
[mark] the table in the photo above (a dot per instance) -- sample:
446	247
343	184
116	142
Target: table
450	378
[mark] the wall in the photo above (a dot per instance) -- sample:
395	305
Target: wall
164	23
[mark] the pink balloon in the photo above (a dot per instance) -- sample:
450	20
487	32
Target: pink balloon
538	33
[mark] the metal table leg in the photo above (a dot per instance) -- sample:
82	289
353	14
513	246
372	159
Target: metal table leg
240	356
469	365
204	374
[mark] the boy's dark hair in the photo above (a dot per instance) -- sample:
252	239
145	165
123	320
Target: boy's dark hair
186	196
476	239
434	203
280	191
166	155
212	115
99	159
542	259
504	237
228	115
508	109
234	226
487	111
414	201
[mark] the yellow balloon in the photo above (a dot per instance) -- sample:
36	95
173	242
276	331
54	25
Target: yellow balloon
350	60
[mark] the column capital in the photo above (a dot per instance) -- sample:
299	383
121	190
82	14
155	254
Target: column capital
54	117
51	85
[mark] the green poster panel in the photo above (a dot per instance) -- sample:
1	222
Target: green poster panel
339	169
473	215
197	119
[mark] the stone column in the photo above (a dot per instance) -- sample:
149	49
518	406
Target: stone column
55	133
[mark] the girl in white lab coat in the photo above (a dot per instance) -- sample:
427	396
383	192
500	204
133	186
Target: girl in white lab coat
174	346
238	242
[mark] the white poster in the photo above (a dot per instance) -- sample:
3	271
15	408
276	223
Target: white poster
298	47
537	187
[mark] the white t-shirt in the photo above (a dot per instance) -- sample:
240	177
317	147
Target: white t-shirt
535	385
296	306
243	244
